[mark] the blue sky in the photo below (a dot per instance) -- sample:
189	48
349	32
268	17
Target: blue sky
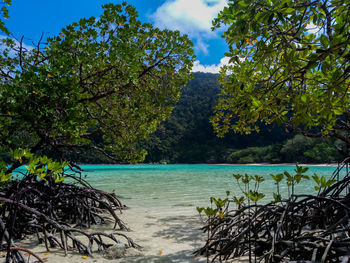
31	18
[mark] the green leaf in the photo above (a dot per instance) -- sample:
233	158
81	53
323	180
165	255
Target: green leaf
245	179
238	201
256	102
303	98
277	178
200	209
287	174
243	3
5	12
338	111
288	10
255	196
305	169
316	179
210	212
324	41
330	182
277	197
4	177
237	176
258	179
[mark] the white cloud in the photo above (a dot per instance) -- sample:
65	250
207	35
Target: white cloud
14	52
200	46
188	16
214	68
312	28
192	17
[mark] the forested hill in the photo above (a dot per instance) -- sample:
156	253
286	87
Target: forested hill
188	137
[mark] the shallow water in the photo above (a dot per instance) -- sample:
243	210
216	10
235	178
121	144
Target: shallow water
178	186
162	201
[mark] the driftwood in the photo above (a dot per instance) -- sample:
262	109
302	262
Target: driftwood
59	214
303	228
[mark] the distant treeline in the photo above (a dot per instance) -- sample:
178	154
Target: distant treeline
188	137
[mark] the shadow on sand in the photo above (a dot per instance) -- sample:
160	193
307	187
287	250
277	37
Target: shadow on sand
180	229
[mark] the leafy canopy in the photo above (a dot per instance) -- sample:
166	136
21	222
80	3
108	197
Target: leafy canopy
4	14
110	76
289	64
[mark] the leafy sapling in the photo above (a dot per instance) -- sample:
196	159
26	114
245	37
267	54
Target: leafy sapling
4	177
296	179
277	178
322	182
239	201
220	204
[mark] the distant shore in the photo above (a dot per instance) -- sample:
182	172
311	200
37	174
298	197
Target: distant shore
288	164
235	164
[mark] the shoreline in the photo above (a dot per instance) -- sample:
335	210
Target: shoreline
168	231
227	164
287	164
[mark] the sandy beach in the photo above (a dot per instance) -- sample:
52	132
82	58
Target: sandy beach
285	164
165	236
168	236
162	202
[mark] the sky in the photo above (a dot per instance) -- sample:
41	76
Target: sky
31	18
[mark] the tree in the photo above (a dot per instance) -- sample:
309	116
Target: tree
289	64
110	76
4	14
310	150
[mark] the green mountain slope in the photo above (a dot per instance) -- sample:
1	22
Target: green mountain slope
188	137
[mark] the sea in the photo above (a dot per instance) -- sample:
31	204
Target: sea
162	201
190	185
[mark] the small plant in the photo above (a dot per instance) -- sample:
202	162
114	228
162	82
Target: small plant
39	202
281	229
278	179
292	180
322	182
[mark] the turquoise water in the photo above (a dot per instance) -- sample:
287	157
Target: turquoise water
176	186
